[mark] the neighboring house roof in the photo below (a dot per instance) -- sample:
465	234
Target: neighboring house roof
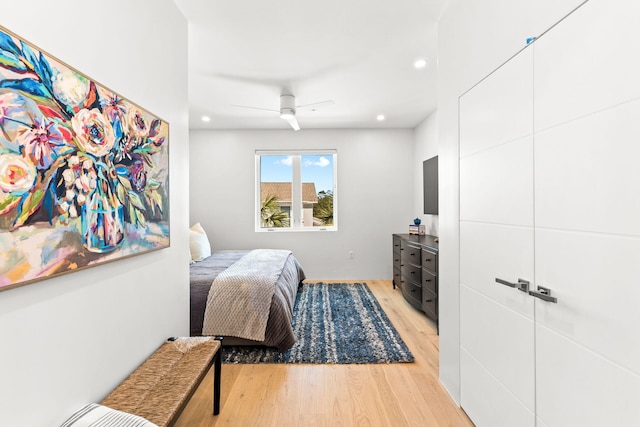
282	191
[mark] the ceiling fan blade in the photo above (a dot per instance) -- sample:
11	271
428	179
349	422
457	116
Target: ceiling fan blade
291	119
314	106
255	108
276	84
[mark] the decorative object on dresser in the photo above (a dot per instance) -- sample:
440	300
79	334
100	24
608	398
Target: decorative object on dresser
415	271
417	229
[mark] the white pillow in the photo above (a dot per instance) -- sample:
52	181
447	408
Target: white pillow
199	243
94	415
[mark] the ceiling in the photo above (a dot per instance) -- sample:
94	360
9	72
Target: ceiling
358	53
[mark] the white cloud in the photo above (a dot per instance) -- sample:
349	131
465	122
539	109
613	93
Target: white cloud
287	161
322	162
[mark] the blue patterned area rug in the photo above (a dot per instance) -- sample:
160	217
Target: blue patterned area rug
333	323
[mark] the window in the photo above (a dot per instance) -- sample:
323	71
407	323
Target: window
296	190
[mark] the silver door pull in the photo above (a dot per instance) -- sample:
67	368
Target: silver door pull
522	285
544	294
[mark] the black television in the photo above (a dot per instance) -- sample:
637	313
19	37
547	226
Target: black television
430	185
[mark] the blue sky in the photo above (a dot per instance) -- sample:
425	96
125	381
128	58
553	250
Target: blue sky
315	168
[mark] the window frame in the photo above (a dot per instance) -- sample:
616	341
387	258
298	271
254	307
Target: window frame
296	185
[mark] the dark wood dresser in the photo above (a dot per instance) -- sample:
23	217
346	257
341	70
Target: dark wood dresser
415	271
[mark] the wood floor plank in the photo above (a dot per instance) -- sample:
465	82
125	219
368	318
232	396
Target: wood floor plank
283	395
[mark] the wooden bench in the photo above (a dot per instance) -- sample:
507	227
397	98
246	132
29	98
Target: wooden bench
161	387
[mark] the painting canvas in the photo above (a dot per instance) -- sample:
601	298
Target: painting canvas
84	173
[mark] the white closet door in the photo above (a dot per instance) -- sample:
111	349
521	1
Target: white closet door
496	241
587	217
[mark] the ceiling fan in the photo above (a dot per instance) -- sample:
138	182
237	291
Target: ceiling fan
288	109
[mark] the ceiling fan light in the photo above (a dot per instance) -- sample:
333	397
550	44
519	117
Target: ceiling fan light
286	114
290	117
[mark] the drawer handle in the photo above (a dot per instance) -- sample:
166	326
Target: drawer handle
413	290
412	272
427	260
544	294
522	285
427	280
429	300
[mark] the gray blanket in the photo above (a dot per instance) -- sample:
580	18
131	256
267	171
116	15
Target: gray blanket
278	331
240	297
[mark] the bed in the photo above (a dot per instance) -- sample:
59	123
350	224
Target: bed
278	332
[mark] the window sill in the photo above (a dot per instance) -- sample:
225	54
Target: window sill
295	230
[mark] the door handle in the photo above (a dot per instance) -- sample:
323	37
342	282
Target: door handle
522	285
544	294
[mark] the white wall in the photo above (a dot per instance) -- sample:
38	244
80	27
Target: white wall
68	341
469	48
375	196
425	146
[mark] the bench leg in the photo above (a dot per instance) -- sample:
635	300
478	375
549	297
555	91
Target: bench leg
216	381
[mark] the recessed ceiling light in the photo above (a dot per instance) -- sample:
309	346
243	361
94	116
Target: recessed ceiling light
206	119
420	63
380	117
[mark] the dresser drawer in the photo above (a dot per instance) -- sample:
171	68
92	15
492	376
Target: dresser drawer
430	304
429	281
410	254
411	273
412	293
396	245
430	261
396	259
396	262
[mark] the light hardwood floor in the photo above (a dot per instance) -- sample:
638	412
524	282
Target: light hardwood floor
400	394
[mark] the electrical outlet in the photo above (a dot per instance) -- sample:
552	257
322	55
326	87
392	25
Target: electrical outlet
351	255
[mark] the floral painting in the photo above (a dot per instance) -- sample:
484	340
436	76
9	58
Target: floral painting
83	172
